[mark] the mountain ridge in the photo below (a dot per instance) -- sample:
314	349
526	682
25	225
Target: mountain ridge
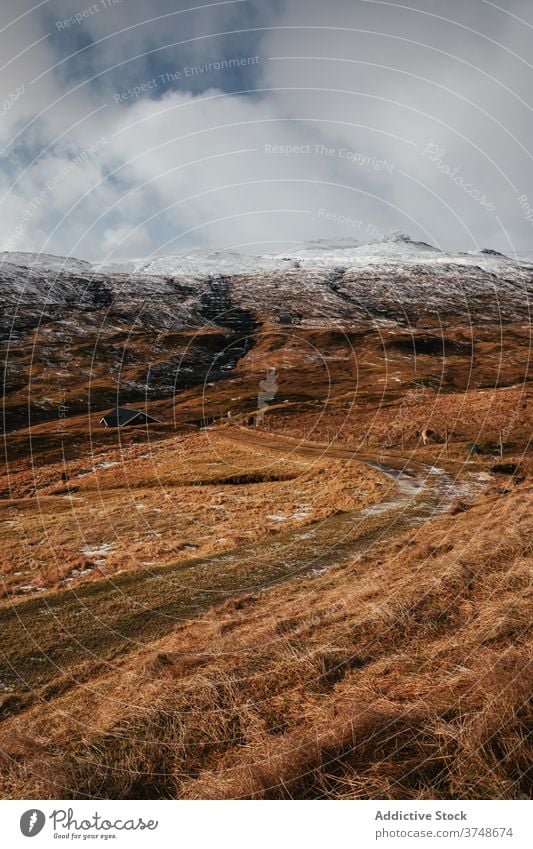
321	253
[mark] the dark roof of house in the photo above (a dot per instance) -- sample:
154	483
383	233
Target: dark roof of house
121	416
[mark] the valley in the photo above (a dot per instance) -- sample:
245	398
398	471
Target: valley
317	589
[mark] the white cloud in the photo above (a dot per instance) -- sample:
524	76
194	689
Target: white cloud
372	81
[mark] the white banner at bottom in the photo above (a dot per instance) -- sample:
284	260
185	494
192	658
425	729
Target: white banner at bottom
267	824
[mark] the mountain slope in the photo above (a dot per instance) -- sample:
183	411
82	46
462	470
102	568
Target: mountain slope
89	336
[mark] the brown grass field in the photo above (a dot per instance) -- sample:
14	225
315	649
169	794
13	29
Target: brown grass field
241	612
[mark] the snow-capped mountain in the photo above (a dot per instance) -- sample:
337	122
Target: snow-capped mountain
339	280
397	249
322	253
43	262
156	327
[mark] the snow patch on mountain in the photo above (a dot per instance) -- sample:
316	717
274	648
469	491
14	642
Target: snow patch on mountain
397	249
340	280
43	262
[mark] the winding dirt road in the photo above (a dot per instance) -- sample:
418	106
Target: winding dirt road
68	632
422	491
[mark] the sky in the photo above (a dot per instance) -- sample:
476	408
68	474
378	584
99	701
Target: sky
131	129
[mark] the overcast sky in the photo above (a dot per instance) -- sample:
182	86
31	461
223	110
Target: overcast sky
130	128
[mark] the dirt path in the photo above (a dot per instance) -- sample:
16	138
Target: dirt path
422	490
66	636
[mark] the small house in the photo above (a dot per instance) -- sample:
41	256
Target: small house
125	417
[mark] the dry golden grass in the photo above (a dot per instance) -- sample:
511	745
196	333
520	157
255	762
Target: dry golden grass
406	674
478	416
142	507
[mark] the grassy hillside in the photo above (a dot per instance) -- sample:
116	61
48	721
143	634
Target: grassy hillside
404	673
322	606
